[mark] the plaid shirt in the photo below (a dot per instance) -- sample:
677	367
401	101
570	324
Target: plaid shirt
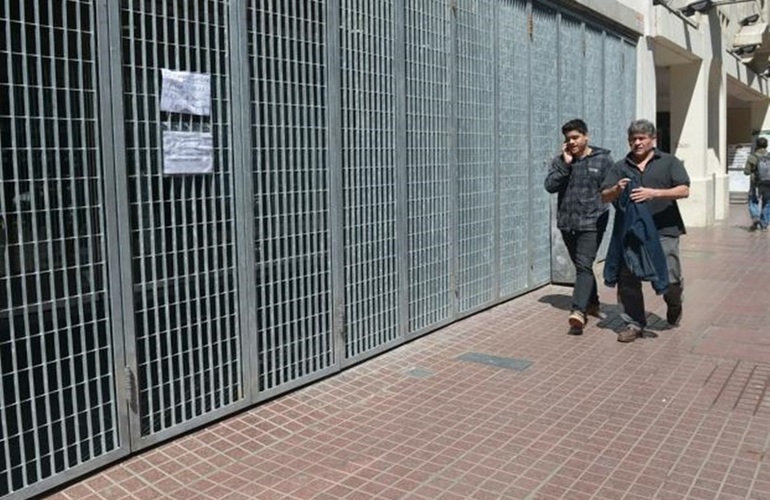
579	188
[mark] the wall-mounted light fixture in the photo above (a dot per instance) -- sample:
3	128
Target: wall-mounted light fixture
749	19
746	49
704	6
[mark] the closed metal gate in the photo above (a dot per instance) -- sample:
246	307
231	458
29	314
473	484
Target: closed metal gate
58	401
375	171
182	305
288	83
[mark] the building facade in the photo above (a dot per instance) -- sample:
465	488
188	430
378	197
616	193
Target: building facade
207	203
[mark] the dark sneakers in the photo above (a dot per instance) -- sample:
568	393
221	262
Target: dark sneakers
674	315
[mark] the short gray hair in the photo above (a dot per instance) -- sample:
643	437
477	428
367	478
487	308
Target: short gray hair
641	126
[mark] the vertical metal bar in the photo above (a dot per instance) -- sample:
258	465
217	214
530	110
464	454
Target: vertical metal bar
111	105
454	177
402	174
531	130
43	253
22	257
334	163
497	224
242	160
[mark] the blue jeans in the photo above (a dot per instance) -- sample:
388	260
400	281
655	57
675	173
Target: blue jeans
759	205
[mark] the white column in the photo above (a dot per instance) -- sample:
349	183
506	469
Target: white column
689	138
718	139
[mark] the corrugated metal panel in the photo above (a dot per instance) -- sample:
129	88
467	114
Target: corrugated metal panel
58	406
182	227
544	137
369	174
475	149
513	133
288	78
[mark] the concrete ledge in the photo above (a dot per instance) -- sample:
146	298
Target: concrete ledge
612	11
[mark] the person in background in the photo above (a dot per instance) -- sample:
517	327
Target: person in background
759	193
663	180
576	175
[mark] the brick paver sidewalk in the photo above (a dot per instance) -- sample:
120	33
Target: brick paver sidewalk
684	413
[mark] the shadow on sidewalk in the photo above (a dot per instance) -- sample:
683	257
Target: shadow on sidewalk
610	319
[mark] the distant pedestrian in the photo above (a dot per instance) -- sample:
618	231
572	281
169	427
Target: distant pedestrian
576	175
662	179
758	168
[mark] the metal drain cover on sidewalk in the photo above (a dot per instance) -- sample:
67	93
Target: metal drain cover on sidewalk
487	359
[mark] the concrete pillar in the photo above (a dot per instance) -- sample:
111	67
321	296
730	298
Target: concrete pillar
689	138
646	86
717	151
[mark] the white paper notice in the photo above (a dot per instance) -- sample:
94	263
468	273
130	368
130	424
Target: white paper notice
185	92
737	155
186	153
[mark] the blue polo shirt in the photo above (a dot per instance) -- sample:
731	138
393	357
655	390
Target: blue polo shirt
663	171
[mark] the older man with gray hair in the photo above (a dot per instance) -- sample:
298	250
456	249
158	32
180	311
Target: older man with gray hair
662	179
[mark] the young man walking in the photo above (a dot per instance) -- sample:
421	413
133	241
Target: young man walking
663	180
759	190
577	175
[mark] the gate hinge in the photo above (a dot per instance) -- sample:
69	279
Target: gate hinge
130	388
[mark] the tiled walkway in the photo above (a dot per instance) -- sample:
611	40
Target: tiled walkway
684	413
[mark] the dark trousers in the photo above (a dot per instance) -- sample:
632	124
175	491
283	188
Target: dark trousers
630	295
582	247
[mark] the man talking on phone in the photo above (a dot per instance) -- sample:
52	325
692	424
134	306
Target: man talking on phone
576	175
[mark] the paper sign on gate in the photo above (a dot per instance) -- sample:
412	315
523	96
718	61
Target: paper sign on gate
185	92
188	153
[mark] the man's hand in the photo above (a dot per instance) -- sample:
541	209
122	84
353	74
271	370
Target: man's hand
641	194
565	154
612	193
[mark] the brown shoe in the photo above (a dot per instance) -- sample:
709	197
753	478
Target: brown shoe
577	320
629	335
594	310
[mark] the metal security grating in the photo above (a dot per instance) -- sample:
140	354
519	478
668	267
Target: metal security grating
594	87
513	139
369	174
288	76
476	160
571	68
429	191
188	343
544	137
57	389
614	79
629	95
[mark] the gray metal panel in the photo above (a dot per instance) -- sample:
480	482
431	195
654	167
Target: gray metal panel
572	80
615	120
476	167
544	137
513	139
629	89
58	408
188	344
291	185
369	174
571	91
594	88
428	49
